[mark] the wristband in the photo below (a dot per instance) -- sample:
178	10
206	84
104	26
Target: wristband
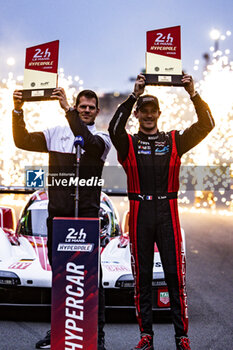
68	110
18	112
195	94
134	95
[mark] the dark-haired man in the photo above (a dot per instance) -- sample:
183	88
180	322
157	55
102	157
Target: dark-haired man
151	160
59	143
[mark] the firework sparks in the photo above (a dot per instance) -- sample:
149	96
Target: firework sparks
177	113
38	116
216	150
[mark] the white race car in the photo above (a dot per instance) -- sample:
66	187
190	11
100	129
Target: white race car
25	272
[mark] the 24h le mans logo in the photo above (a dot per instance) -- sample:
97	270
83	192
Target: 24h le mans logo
35	178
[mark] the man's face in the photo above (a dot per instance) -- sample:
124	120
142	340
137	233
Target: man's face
147	116
87	109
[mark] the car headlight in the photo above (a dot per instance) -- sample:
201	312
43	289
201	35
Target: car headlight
9	278
125	281
104	222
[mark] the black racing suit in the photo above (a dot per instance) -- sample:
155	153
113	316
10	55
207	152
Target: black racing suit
59	143
152	164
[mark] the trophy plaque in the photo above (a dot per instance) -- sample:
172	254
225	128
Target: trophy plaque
163	57
40	73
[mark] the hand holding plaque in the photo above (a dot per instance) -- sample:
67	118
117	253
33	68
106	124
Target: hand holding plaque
163	57
40	74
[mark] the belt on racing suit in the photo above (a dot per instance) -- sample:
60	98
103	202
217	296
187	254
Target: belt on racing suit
151	197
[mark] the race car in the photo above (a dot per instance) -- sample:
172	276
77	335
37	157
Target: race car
25	272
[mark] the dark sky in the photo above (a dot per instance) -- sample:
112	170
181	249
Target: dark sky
104	41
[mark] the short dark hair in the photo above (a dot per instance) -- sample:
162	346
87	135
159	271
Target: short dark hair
87	94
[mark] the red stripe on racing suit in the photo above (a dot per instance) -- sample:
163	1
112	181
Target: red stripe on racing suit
157	159
173	186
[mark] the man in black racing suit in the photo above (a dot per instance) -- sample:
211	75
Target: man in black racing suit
59	143
151	160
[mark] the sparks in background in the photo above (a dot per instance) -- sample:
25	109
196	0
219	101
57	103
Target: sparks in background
177	113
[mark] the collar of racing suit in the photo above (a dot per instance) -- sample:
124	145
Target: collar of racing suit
146	137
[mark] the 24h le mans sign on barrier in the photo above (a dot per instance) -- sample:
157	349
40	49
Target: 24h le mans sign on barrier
74	320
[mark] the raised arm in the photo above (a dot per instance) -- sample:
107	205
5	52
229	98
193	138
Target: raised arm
29	141
116	128
95	145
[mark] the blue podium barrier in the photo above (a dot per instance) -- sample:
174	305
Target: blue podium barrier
74	321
